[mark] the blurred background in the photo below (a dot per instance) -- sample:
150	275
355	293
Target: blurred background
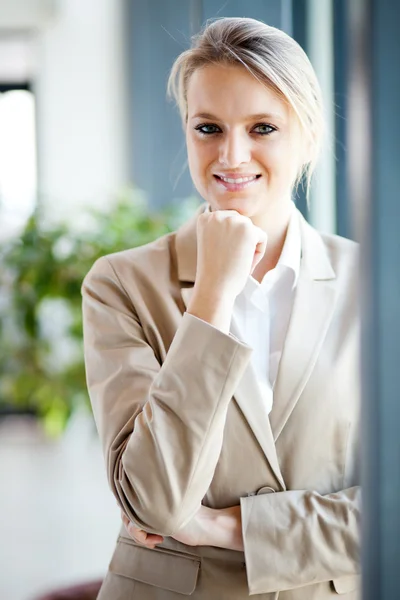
92	160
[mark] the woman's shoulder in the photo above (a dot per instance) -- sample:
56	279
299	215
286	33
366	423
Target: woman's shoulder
149	262
343	255
142	256
327	253
340	247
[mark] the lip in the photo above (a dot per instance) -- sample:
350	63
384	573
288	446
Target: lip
236	187
236	175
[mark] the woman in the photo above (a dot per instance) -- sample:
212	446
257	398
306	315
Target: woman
222	360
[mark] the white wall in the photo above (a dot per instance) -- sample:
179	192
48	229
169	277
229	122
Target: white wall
81	107
26	14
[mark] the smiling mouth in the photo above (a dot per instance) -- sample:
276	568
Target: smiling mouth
237	180
236	184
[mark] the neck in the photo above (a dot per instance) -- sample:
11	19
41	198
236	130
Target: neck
275	225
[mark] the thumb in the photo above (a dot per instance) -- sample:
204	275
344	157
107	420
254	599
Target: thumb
260	249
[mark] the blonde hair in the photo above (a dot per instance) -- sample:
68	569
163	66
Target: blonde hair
273	58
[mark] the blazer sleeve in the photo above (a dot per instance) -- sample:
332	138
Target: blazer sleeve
161	425
298	538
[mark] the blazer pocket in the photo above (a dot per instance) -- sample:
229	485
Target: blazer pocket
159	567
344	585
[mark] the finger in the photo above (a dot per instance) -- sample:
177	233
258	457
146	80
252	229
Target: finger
261	235
260	249
155	538
147	539
135	532
144	537
152	541
140	535
258	254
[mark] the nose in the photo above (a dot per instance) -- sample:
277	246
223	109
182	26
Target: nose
234	150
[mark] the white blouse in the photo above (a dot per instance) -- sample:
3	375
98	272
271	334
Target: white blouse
262	311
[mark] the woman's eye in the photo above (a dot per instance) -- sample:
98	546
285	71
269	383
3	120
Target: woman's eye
207	129
264	129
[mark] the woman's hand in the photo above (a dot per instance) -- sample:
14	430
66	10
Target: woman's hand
229	246
150	540
199	530
209	527
213	527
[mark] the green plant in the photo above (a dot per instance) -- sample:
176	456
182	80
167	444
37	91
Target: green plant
41	355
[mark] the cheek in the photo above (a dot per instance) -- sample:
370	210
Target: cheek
196	162
199	157
280	160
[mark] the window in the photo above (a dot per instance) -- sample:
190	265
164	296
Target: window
18	176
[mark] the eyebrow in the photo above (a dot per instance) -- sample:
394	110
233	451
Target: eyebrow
256	117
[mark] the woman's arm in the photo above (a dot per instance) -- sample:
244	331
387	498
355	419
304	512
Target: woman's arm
298	538
161	426
291	539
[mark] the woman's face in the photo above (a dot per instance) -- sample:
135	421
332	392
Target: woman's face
238	127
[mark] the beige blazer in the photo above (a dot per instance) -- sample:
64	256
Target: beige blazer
182	422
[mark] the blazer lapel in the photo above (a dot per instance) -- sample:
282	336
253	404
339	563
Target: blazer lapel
251	402
312	312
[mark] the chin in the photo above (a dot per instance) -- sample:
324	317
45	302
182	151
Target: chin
245	206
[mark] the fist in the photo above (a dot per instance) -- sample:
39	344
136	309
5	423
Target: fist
229	246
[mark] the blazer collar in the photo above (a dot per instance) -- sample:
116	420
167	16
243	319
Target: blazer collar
186	247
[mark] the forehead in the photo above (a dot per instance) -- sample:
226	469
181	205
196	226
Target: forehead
231	92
